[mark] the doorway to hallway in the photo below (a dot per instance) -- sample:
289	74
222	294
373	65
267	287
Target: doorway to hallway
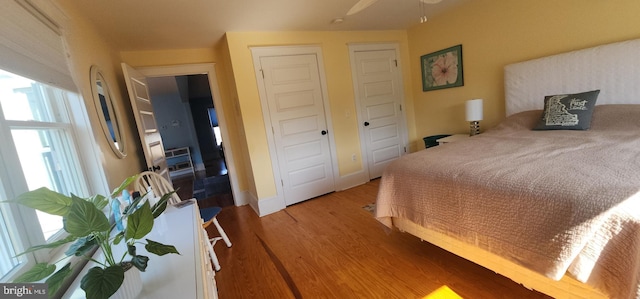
187	118
204	131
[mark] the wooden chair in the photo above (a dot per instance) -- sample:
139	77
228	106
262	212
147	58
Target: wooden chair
208	216
150	181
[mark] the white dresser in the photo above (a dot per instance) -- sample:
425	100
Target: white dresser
188	275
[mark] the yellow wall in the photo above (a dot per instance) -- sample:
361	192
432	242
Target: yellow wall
169	57
87	48
335	54
240	148
496	33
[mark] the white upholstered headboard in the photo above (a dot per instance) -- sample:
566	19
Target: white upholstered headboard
614	69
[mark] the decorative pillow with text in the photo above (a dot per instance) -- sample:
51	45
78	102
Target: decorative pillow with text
568	111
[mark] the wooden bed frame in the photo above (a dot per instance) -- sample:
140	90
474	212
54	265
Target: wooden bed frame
614	69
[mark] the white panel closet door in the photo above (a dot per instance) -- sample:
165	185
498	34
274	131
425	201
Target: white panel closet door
296	108
379	94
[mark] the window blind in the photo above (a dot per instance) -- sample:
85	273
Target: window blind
31	45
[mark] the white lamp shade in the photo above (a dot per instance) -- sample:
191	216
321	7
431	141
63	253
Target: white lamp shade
474	110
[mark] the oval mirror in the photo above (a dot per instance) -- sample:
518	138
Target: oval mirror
107	112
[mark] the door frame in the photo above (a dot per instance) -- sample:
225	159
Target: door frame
362	47
208	69
267	51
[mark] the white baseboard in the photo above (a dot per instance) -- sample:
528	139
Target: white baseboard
270	205
265	206
351	180
253	202
241	198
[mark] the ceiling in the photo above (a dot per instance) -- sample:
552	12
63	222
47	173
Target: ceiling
134	25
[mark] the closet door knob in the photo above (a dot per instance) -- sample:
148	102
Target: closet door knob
324	132
366	123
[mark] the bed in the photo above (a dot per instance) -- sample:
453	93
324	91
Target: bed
555	210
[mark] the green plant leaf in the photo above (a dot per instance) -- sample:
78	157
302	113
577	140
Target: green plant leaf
55	281
159	248
131	249
100	201
118	238
140	223
84	218
161	205
133	206
81	246
55	244
38	272
117	191
140	262
45	200
101	283
159	208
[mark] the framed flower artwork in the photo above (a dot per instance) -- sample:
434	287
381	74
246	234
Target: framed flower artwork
442	69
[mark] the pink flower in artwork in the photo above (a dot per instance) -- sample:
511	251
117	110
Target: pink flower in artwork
445	69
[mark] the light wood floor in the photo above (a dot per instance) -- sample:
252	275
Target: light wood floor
330	247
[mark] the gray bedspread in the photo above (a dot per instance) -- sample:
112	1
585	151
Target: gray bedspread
556	202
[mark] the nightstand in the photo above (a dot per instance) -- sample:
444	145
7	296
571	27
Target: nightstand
452	138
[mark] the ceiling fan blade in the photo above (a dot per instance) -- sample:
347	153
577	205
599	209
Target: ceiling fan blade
361	5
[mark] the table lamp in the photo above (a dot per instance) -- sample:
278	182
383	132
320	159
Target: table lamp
474	115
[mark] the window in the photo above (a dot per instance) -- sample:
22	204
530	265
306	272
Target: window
40	152
45	133
9	243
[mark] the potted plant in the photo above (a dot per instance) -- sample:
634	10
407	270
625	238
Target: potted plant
88	227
